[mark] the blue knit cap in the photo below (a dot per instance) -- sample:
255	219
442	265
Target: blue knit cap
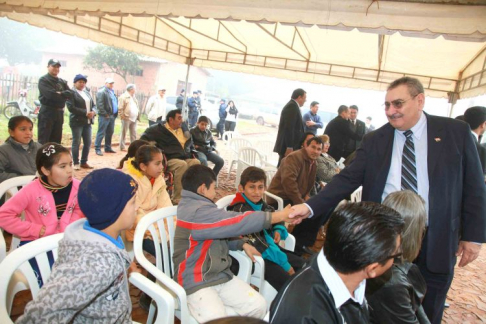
103	194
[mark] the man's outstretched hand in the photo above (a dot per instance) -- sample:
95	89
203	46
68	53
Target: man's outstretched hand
299	213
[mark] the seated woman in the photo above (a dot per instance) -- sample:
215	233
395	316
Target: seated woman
326	165
17	154
396	296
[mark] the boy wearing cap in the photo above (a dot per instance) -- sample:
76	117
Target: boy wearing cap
82	112
156	107
107	113
129	114
89	281
53	93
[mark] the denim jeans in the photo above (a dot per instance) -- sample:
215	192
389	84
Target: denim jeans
106	127
212	157
220	128
84	132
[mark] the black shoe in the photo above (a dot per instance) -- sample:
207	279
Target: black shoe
110	151
304	250
98	152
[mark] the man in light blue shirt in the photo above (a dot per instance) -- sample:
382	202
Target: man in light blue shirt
311	120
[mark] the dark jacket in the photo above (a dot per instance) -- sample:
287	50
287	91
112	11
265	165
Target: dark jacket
290	128
397	295
104	103
167	142
295	177
482	155
340	133
360	129
49	87
15	161
179	102
457	194
203	140
77	109
222	112
306	298
192	104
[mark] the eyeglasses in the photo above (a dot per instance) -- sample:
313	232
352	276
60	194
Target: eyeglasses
398	103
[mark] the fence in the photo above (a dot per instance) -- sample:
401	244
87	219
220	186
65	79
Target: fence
11	84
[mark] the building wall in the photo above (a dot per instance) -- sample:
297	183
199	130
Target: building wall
170	74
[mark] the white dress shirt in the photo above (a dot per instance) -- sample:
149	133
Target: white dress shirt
394	180
339	291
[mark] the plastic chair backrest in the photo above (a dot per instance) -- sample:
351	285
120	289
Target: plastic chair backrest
9	188
229	135
19	260
265	147
250	156
235	144
356	195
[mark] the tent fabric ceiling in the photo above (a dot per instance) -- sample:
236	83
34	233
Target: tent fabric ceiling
354	43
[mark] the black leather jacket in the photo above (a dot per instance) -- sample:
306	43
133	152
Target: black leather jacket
396	296
203	140
168	143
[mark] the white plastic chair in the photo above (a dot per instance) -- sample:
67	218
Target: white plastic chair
18	261
235	144
265	148
163	269
248	156
229	135
18	282
356	195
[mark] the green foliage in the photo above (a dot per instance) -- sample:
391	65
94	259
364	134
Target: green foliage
20	42
111	59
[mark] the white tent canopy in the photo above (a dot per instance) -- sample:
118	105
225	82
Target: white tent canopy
355	43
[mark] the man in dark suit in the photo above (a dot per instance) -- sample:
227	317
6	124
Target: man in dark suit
290	128
340	133
444	170
358	127
476	118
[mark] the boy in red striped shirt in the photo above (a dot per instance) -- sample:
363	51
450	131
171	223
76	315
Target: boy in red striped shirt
203	238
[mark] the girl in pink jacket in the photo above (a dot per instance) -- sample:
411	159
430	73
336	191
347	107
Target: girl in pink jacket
50	201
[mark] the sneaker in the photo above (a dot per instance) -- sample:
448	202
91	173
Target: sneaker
98	152
85	166
76	167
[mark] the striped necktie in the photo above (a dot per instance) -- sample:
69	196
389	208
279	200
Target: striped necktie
409	168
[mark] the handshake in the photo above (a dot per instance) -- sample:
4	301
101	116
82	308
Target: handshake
291	214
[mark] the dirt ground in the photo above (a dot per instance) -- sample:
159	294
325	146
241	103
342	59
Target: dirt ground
467	296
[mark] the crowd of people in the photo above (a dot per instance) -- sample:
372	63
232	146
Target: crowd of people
387	259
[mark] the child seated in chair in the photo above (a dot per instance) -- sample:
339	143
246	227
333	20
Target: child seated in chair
201	250
280	264
89	281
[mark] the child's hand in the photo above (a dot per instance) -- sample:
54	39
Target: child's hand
282	215
291	271
276	237
42	231
251	251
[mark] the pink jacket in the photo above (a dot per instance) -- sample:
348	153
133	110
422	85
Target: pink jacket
40	210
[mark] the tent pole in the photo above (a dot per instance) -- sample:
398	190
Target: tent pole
185	113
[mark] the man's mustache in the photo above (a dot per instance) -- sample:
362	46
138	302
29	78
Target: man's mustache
394	116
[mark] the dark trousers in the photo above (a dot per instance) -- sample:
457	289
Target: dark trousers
212	157
438	285
106	127
229	126
35	266
220	128
78	132
151	123
49	125
306	232
193	118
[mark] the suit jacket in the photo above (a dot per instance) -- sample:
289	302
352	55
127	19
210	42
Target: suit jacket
457	193
77	109
290	128
482	155
352	143
339	132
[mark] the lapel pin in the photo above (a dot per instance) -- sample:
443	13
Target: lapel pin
437	139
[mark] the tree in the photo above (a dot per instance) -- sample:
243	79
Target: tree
111	59
20	43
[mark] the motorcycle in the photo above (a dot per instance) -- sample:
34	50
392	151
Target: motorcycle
21	107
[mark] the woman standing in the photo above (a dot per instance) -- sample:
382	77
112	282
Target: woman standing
82	109
232	113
